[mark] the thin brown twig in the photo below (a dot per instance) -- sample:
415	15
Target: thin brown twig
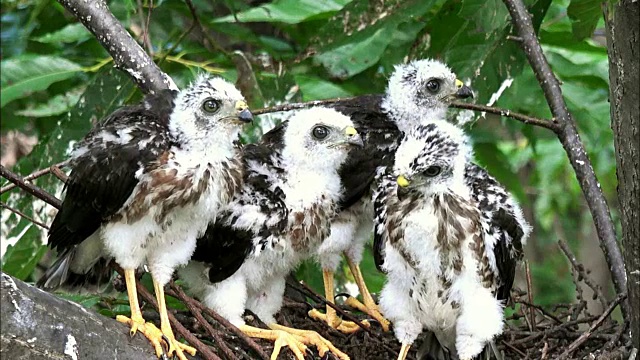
34	175
530	294
547	124
582	275
30	188
579	341
573	146
514	348
217	317
190	303
206	34
21	214
542	310
530	120
145	28
59	173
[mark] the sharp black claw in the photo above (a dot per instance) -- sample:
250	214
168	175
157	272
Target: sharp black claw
342	294
166	341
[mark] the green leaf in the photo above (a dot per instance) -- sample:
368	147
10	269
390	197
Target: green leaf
488	14
25	75
287	11
315	88
55	106
356	39
68	34
584	15
20	259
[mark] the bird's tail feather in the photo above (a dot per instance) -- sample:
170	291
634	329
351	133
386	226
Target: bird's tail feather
431	349
59	274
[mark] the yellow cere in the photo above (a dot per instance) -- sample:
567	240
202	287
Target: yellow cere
241	105
350	130
459	83
402	181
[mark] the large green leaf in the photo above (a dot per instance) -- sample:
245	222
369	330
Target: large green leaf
68	34
364	31
107	91
315	88
24	75
287	11
54	106
584	16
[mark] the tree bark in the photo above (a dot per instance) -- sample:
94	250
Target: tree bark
623	19
39	326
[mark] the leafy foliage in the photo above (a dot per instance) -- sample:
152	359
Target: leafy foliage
57	81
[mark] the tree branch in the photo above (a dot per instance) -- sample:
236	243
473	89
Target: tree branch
579	341
530	120
39	325
570	139
30	188
127	54
34	175
21	214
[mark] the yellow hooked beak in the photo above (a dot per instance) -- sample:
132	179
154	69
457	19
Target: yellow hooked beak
464	91
402	181
353	137
243	111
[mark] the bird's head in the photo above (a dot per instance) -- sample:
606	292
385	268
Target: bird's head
431	159
320	137
210	110
422	88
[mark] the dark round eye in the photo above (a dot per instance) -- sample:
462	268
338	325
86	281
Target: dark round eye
432	171
211	106
433	86
320	132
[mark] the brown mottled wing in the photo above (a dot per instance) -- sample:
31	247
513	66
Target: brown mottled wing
498	212
103	177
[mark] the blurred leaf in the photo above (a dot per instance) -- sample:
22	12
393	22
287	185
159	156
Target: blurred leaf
287	11
311	273
87	300
488	15
68	34
584	16
363	34
55	106
24	75
20	259
315	88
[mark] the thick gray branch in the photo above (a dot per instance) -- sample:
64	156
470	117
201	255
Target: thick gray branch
623	42
39	326
127	54
570	139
